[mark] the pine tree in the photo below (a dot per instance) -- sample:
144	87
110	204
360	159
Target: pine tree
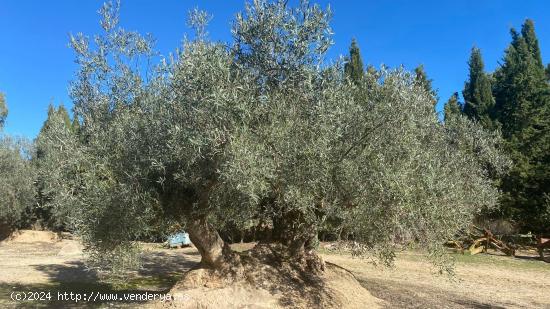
478	96
422	79
452	107
522	96
353	68
548	72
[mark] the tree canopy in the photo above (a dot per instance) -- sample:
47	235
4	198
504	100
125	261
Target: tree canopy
16	193
260	128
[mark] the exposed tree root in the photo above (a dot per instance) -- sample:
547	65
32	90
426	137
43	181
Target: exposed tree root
266	277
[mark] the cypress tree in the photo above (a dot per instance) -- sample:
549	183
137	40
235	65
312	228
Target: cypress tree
64	114
54	114
422	79
521	89
478	96
75	126
528	33
45	127
57	119
353	68
452	107
522	96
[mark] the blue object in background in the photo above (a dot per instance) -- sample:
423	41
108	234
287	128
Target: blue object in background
179	239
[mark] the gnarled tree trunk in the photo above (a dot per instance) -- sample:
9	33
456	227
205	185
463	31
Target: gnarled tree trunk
298	238
215	253
5	230
189	205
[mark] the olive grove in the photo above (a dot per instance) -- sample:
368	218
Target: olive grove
260	129
16	177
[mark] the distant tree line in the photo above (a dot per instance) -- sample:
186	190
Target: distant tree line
515	101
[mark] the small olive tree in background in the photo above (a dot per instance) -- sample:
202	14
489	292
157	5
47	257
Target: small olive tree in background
261	128
3	110
16	177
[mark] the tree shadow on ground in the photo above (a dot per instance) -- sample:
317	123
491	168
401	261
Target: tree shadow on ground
158	274
534	258
524	255
56	295
154	263
74	271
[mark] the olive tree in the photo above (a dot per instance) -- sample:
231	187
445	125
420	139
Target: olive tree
260	129
152	138
16	176
3	110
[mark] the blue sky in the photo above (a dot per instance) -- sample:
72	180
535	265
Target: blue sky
36	64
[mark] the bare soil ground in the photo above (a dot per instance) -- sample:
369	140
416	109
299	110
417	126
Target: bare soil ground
482	281
263	280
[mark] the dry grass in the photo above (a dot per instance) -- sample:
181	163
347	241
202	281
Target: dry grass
482	281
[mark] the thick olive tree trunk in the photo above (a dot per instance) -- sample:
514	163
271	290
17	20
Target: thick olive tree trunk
5	230
190	206
215	253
